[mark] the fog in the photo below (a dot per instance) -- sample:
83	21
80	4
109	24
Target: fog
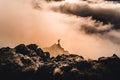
92	34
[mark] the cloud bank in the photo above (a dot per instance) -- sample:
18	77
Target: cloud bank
78	23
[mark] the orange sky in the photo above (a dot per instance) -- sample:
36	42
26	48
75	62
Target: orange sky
21	23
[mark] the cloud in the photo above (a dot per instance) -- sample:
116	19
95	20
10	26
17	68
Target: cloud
98	19
112	0
106	14
44	22
101	15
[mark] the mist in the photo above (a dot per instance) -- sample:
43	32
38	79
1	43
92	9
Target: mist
43	23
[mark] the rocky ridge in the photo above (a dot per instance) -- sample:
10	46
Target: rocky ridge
29	62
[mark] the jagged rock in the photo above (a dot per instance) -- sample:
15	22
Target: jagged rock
30	62
22	49
32	47
115	56
44	72
57	71
4	49
40	52
45	56
110	60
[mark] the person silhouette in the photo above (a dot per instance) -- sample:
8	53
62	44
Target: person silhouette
58	41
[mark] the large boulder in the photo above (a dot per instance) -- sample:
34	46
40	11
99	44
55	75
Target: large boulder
32	47
22	49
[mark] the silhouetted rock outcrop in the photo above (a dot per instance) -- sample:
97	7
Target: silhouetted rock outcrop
32	47
29	62
56	49
22	49
112	64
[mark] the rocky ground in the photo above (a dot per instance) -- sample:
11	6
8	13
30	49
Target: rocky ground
29	62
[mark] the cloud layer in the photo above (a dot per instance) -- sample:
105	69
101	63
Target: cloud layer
78	23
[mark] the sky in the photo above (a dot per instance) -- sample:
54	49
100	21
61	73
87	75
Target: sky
89	28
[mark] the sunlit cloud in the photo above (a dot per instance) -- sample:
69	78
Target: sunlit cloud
85	27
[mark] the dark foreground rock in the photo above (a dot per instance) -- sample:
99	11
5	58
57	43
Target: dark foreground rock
29	62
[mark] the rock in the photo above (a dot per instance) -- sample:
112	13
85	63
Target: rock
32	47
30	62
22	49
40	52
